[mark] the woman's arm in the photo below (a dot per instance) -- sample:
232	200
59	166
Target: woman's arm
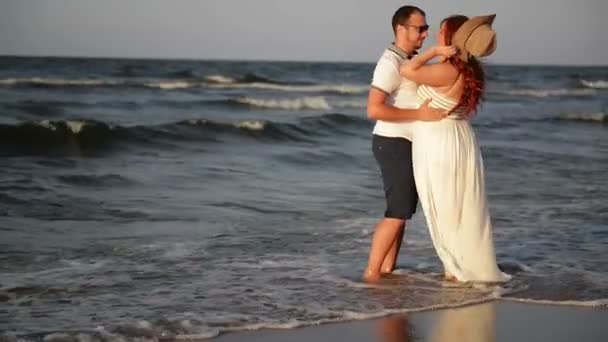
434	75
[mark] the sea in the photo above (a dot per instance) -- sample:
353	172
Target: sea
147	199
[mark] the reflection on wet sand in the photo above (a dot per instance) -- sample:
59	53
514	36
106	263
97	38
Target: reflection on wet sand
475	323
394	329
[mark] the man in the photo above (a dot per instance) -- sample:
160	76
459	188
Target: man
392	102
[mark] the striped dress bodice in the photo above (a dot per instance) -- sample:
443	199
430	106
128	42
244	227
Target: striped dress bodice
425	92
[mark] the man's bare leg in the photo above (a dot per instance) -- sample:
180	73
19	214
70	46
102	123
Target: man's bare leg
385	234
388	265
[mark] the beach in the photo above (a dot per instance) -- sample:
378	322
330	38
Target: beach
488	322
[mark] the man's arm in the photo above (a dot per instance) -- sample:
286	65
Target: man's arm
377	109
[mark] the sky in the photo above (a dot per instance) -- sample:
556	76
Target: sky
562	32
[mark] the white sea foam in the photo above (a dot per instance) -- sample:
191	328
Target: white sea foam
254	125
47	124
524	267
58	82
74	126
346	315
599	303
601	84
591	117
317	103
219	79
199	336
178	251
56	337
170	85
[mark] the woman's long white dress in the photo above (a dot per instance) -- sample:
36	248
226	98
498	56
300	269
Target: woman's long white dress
449	174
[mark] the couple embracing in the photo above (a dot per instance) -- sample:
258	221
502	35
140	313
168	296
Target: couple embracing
426	148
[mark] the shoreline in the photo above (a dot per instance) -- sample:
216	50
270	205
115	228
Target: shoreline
498	320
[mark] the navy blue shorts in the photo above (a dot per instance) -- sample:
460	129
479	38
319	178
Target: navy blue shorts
394	156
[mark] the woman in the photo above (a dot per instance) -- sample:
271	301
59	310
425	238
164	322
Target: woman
448	167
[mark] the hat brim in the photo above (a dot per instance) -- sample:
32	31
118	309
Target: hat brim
462	34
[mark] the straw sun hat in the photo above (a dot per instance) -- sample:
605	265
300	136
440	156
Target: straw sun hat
476	37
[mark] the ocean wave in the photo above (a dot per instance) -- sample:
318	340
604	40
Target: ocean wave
347	89
59	82
220	79
543	93
251	77
211	81
62	83
317	103
76	136
253	81
169	85
590	118
46	133
600	84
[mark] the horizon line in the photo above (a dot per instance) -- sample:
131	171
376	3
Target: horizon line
261	60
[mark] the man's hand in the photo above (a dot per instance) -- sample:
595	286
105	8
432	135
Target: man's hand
426	113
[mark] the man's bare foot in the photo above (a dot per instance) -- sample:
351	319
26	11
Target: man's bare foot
387	271
371	277
450	277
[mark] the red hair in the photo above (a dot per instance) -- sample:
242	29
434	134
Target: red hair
471	71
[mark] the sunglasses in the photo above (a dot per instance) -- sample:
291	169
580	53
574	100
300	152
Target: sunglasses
421	29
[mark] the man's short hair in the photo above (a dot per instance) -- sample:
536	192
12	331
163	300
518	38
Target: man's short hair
403	14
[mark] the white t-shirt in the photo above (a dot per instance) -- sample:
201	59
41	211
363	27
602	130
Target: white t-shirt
402	92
